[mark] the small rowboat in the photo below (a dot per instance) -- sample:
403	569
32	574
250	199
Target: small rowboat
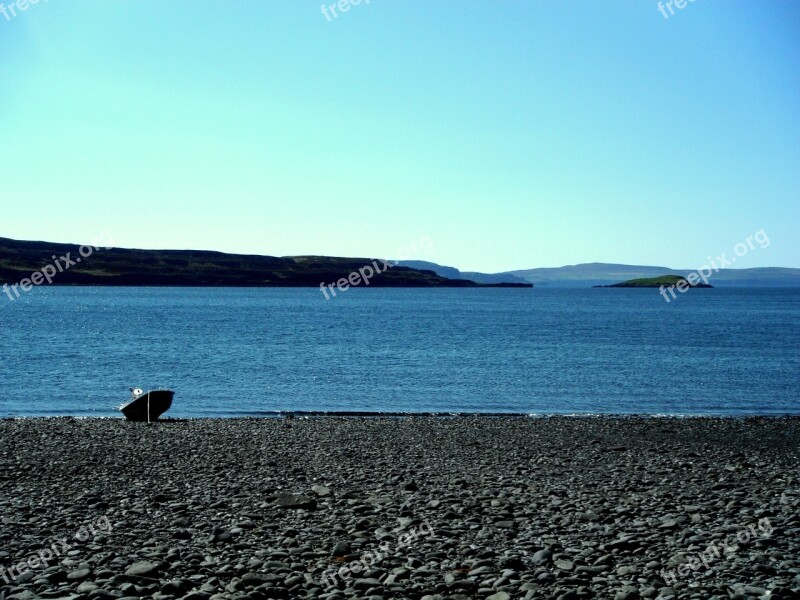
147	406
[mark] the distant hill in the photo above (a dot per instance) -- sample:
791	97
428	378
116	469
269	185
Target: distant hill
453	273
591	274
120	266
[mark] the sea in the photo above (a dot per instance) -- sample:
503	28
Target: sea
262	352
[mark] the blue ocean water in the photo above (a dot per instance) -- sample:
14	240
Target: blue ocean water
235	352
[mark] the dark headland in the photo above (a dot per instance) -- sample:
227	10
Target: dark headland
130	267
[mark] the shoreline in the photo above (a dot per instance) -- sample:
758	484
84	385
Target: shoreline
269	415
466	508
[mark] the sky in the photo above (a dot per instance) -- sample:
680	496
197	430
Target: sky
508	134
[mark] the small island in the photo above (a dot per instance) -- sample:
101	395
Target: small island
661	281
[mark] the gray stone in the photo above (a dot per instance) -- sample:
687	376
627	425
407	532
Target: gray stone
542	557
295	501
144	568
79	574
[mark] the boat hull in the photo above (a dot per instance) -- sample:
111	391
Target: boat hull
156	401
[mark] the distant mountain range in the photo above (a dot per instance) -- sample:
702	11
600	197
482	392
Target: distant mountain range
120	266
591	274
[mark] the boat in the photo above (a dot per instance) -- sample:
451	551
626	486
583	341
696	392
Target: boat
147	406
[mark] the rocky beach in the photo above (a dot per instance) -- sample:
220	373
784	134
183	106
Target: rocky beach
413	507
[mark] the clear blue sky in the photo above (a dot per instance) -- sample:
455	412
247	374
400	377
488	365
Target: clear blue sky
514	134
